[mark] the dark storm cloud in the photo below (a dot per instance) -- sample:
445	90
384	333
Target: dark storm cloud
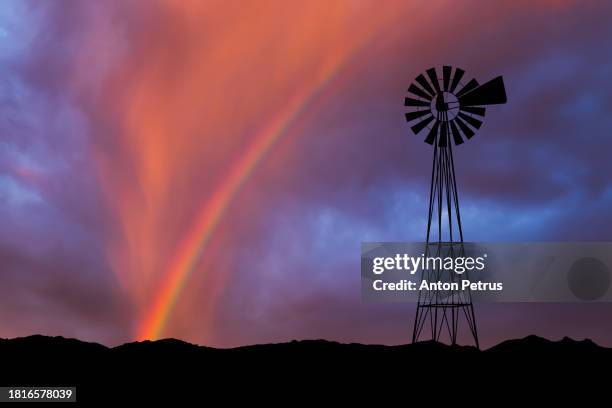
52	263
60	292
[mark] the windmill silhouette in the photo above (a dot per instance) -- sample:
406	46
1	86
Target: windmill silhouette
446	109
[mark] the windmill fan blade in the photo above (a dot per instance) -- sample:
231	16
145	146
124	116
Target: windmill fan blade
458	75
422	124
415	102
472	121
473	109
423	82
443	136
446	73
464	128
431	137
470	86
419	92
433	77
456	136
490	93
410	116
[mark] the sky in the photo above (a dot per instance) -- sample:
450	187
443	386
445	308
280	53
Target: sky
207	170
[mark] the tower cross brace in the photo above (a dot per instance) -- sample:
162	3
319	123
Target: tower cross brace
440	311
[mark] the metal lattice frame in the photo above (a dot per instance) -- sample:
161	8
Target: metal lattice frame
441	311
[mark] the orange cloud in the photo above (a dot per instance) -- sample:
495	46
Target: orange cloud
200	95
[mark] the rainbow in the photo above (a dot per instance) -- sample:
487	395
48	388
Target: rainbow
191	248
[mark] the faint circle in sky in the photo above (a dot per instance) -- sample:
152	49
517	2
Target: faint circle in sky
588	278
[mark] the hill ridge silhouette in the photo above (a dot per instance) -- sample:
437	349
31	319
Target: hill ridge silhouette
171	340
134	369
529	340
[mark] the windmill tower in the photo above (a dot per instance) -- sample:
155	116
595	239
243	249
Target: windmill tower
450	112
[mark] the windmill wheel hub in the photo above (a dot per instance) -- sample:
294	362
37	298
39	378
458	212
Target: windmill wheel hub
445	106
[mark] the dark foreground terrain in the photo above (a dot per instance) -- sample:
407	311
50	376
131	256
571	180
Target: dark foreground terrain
172	368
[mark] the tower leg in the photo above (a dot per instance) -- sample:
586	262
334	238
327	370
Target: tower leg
443	310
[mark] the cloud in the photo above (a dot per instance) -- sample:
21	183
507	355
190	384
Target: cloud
56	278
119	120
